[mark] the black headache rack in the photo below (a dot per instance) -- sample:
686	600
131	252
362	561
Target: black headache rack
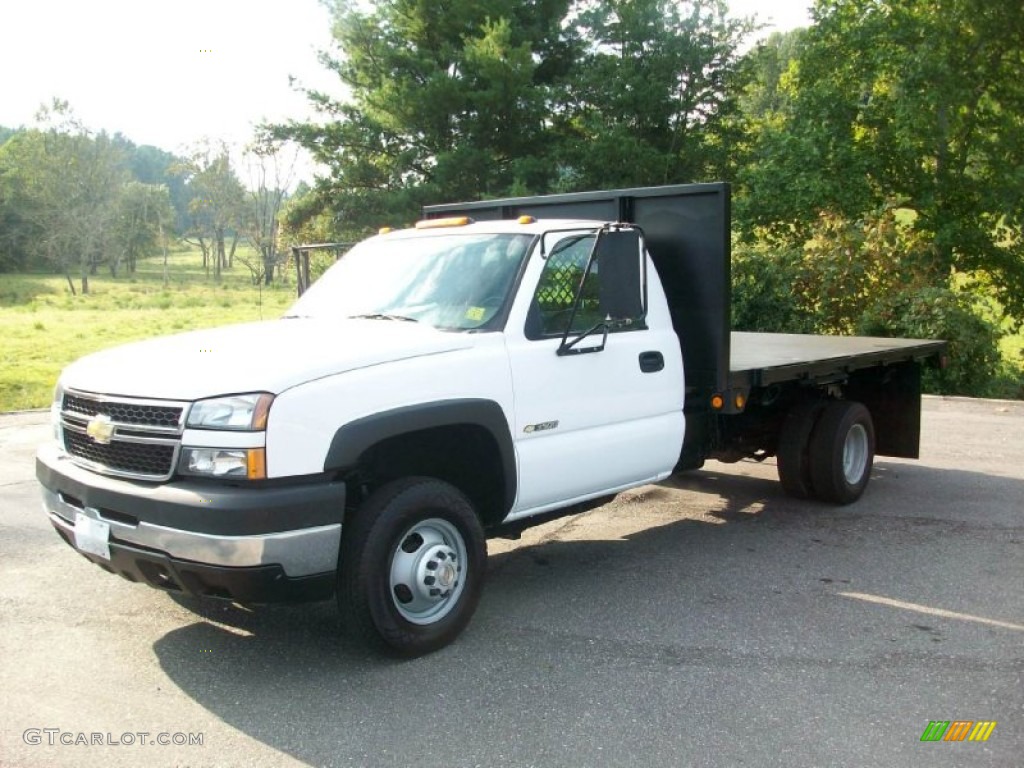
687	232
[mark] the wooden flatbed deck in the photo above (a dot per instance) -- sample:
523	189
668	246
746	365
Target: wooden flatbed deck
761	359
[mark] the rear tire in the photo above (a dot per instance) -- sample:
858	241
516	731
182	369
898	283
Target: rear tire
842	452
412	567
792	456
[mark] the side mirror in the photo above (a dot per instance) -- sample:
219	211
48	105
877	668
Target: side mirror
618	266
623	272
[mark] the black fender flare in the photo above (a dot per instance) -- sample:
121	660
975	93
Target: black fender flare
352	440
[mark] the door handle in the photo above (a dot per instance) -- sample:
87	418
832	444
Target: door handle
651	362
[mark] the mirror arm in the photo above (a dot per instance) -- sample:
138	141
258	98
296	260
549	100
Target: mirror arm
579	297
570	347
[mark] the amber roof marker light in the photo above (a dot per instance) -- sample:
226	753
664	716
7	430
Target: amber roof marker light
450	221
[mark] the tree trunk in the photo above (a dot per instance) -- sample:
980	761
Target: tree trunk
267	254
231	253
270	255
114	265
163	242
71	283
218	253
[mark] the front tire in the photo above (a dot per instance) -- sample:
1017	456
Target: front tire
842	452
412	566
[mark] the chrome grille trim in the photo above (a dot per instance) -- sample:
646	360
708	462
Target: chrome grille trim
78	407
87	404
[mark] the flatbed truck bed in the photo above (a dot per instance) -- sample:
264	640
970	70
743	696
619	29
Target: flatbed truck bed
764	359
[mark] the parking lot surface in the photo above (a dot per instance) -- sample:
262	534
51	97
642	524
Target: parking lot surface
706	621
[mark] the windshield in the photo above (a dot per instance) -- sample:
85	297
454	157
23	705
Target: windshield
452	282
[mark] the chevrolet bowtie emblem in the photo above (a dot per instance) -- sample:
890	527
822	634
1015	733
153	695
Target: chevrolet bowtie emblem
100	429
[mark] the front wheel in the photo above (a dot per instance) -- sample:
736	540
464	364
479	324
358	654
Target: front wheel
412	566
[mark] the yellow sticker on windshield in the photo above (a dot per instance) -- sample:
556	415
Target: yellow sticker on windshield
476	313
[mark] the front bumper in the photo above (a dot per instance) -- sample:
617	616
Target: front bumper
263	544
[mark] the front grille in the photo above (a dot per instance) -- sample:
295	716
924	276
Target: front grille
143	444
142	414
135	458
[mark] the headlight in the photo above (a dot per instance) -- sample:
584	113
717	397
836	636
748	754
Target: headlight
243	412
225	462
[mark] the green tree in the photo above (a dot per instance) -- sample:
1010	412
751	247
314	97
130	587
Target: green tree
152	165
868	277
654	99
144	213
447	100
217	201
919	101
64	182
769	67
18	228
271	170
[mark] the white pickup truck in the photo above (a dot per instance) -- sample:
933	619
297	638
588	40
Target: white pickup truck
500	363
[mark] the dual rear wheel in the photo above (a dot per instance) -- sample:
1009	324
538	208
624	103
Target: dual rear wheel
826	451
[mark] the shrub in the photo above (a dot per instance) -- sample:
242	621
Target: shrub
763	298
941	313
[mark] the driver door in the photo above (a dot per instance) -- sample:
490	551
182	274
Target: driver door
592	422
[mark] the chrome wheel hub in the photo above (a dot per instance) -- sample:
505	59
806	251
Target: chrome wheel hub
428	571
855	454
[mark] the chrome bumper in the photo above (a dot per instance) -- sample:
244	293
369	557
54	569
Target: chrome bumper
303	552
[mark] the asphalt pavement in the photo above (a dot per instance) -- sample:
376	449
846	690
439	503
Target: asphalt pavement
706	621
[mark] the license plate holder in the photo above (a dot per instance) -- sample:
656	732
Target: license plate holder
92	536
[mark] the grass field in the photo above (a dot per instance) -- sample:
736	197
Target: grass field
43	327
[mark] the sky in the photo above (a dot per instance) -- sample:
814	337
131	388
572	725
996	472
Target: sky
159	72
172	73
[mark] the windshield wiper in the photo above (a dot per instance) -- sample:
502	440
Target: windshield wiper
383	316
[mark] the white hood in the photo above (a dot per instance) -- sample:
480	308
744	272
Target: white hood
255	357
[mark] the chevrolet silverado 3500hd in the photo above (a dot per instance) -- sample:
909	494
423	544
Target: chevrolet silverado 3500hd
502	362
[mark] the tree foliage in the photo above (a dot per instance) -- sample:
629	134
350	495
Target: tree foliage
463	100
868	277
920	102
654	98
72	199
62	182
445	99
152	165
144	215
877	156
270	170
216	203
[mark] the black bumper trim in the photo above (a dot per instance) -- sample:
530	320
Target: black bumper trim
196	506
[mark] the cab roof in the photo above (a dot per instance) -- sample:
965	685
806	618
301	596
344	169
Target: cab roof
493	227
